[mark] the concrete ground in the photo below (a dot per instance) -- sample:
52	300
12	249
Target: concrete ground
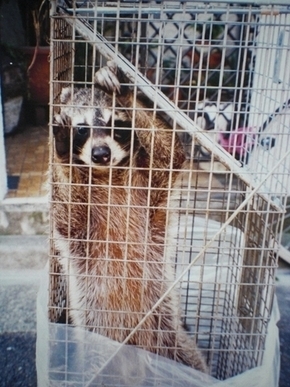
23	258
18	292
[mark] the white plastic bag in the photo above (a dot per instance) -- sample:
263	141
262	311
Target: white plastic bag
68	356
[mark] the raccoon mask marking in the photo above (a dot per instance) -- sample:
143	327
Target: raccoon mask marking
86	124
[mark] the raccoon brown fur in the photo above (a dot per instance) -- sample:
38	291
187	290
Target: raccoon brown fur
109	220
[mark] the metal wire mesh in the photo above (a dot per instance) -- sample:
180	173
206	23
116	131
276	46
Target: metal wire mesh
224	67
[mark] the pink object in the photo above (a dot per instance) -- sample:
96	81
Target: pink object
237	142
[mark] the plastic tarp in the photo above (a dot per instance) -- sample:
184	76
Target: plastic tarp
69	356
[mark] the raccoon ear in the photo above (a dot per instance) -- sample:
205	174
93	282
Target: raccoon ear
65	95
61	134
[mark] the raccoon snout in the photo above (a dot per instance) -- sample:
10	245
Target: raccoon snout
101	154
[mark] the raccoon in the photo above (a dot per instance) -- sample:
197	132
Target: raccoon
109	196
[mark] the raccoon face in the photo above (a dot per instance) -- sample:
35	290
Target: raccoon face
103	144
94	135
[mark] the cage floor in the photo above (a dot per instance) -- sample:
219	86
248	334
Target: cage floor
27	161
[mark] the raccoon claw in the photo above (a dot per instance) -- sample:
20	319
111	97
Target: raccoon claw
112	66
107	78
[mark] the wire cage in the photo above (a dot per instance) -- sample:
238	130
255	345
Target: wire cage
216	72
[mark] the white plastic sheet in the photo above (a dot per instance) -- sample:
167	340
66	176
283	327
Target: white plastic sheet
68	356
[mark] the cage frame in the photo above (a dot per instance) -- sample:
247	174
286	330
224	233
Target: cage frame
253	193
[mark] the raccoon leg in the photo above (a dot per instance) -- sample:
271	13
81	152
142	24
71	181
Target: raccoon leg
162	144
106	78
165	149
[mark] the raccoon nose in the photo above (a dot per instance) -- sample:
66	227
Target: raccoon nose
101	154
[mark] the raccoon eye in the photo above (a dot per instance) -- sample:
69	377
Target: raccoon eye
122	124
117	134
82	130
122	136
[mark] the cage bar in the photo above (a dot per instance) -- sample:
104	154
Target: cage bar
216	73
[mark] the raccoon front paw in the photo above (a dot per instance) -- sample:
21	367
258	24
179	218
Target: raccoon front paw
107	78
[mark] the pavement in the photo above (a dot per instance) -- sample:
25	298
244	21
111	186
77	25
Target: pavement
23	255
17	364
18	291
